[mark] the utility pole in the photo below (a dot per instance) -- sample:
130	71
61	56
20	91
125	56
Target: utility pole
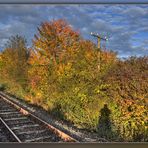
99	38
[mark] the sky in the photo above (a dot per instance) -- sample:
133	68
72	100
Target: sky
126	26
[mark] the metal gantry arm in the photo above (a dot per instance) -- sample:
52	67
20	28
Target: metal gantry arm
99	39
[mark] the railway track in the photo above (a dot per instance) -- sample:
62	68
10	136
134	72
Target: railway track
19	125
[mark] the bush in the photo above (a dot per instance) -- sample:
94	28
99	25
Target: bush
3	87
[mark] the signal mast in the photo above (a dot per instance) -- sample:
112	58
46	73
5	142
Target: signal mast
99	38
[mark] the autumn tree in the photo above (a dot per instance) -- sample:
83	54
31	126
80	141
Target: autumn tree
55	37
14	58
128	97
64	74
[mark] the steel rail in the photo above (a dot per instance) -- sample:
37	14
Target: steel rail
9	129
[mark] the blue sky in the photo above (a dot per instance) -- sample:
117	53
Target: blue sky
125	25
